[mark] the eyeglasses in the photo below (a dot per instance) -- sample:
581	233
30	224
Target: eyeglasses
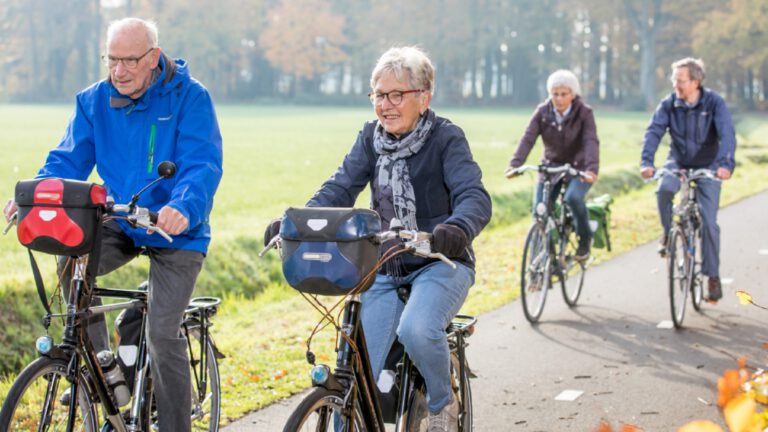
560	94
679	82
395	97
129	62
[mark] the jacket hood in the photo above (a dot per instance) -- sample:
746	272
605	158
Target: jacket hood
172	73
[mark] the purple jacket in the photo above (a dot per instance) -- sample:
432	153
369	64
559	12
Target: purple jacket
574	142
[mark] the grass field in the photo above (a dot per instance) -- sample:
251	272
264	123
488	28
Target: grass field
278	156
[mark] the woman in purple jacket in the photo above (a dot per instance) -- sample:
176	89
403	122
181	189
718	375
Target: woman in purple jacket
567	127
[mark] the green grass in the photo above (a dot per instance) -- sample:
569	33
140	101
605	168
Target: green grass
277	157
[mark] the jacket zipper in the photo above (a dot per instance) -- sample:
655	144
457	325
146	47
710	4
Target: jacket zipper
151	149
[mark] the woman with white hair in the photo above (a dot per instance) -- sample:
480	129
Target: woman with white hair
420	171
567	126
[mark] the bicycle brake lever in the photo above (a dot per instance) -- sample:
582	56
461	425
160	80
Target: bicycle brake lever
11	222
272	244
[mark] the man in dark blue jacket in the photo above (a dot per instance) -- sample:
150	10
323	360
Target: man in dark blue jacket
149	110
703	136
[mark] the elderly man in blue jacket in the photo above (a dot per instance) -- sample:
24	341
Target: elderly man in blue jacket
703	136
149	110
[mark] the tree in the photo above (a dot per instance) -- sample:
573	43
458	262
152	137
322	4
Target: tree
647	22
303	39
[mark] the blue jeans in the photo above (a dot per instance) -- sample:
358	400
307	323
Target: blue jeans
437	293
708	197
575	195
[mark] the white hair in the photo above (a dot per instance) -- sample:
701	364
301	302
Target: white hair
408	58
149	27
563	77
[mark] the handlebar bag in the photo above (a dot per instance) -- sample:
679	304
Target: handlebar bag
59	216
328	251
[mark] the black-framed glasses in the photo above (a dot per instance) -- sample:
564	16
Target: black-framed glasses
129	62
395	97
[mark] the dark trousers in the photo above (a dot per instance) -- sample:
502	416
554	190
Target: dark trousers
709	201
172	276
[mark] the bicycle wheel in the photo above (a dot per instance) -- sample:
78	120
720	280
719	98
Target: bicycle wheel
679	266
463	391
697	282
535	273
418	413
205	389
33	402
570	271
322	410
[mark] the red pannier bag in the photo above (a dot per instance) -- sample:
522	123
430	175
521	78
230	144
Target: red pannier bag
58	216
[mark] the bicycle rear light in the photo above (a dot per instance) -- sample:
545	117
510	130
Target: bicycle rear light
320	374
44	344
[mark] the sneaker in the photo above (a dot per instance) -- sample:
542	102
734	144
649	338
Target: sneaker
582	253
447	420
715	289
662	248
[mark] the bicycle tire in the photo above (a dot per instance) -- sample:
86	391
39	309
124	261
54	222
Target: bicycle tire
570	271
463	393
535	273
322	409
206	402
45	379
679	269
697	283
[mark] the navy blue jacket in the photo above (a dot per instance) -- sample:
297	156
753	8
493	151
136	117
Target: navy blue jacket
702	135
446	180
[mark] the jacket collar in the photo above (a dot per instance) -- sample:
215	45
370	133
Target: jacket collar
162	75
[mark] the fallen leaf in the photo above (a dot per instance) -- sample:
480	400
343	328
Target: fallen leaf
740	415
700	426
745	298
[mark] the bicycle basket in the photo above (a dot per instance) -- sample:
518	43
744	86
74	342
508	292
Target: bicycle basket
328	251
59	216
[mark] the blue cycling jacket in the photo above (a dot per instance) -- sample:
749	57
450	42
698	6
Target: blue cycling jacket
126	140
703	135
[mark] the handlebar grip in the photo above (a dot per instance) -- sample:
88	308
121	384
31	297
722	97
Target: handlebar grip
153	217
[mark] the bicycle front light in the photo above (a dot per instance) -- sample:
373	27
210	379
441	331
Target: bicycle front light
44	344
541	209
320	374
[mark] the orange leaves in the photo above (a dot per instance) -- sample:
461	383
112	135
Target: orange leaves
606	427
729	385
700	426
279	374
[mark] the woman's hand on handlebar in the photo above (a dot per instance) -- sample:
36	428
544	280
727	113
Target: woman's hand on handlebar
589	177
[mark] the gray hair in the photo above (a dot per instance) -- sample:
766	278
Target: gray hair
409	58
563	77
149	27
695	68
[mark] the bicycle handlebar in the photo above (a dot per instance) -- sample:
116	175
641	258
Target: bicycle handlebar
138	217
686	174
547	169
417	243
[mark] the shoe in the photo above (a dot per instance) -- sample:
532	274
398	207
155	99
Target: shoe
447	420
715	289
662	248
66	396
582	253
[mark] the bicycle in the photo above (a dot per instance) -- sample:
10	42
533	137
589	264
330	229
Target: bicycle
551	244
348	398
683	249
63	388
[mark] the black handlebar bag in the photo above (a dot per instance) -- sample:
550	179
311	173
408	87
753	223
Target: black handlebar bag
58	216
328	251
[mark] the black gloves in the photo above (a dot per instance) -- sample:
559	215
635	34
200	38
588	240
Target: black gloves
449	240
272	230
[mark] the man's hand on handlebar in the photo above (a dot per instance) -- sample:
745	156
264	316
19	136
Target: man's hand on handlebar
171	221
647	172
723	174
10	209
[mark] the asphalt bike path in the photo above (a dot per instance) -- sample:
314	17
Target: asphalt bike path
614	357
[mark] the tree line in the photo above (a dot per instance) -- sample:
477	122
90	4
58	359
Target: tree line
486	52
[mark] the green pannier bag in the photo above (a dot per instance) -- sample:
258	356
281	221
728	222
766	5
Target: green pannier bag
599	219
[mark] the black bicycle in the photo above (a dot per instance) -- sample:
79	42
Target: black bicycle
683	250
551	244
348	398
70	383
